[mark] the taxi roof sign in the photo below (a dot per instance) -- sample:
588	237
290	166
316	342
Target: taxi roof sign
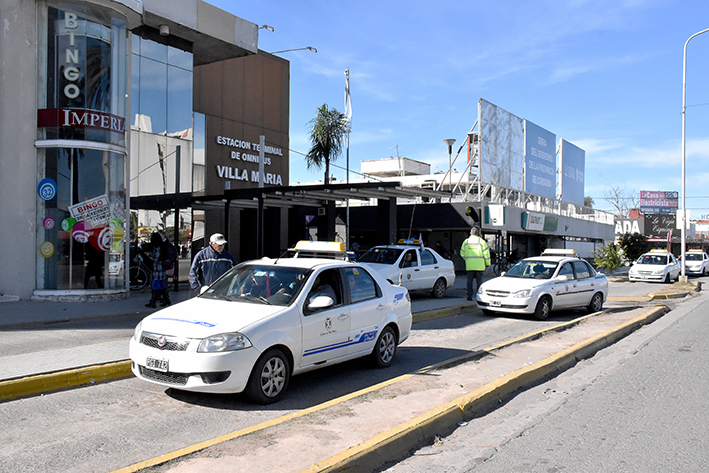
559	252
318	249
658	250
324	246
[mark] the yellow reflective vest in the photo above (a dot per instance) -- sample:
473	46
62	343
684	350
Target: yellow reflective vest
476	253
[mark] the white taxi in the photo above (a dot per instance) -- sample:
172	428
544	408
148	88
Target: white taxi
696	262
559	279
413	266
656	265
266	320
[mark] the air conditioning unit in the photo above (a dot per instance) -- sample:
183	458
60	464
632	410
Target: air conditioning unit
321	211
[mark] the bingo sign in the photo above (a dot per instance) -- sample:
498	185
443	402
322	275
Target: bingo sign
47	189
92	212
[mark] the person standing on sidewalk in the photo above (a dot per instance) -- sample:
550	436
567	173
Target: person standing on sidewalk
159	278
476	255
211	262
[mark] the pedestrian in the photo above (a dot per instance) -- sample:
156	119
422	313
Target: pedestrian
95	261
159	277
211	262
354	251
441	250
476	255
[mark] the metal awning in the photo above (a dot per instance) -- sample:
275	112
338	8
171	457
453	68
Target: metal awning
316	195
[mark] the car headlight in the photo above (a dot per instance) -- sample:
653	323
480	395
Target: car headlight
481	291
523	293
224	342
138	329
659	271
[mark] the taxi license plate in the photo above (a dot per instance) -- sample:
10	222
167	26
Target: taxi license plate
495	303
157	364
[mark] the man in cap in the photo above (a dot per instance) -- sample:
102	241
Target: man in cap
476	255
211	262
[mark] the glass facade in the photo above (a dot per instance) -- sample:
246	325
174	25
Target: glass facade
81	125
162	119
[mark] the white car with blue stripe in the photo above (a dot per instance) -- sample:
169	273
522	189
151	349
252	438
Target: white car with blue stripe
559	279
266	320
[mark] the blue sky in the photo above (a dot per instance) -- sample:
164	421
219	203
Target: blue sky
605	75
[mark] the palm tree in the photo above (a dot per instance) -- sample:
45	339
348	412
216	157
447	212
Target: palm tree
327	134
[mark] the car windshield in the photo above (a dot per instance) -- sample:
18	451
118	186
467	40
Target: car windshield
532	269
381	255
694	257
660	260
264	284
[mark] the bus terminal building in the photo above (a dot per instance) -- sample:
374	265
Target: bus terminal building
119	115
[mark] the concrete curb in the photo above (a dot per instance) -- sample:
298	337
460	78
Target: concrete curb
397	442
61	380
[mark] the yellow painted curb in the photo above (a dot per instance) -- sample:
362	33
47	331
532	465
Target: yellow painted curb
398	441
32	385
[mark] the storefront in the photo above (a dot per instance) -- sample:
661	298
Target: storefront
93	93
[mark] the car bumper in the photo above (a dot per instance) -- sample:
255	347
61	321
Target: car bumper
647	277
693	271
226	372
513	305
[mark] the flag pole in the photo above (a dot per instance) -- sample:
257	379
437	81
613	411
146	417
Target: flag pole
348	114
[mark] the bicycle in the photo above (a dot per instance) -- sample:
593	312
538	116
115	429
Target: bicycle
502	265
139	271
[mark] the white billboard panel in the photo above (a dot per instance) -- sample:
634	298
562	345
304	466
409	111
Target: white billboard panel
539	160
573	165
501	147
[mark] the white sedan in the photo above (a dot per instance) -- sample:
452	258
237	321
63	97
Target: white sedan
413	267
556	280
266	320
657	265
696	263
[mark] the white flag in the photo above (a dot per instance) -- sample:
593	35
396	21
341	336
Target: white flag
348	101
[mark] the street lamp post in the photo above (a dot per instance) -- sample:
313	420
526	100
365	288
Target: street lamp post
309	48
684	154
450	142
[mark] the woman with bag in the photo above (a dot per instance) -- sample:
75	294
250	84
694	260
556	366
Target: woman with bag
159	277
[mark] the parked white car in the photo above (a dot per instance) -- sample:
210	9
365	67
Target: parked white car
697	263
656	265
266	320
414	267
559	279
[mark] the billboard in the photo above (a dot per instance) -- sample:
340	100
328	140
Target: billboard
501	147
659	225
659	202
573	164
539	160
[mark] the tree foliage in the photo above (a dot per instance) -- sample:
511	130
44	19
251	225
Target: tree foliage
588	201
634	245
608	257
327	134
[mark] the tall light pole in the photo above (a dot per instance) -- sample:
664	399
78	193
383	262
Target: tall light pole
684	154
450	142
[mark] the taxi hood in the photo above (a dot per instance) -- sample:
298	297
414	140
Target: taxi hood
506	283
201	317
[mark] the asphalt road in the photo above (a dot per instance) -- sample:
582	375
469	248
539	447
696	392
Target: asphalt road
638	406
116	424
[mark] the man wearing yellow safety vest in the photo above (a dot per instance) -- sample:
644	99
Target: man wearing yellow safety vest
476	255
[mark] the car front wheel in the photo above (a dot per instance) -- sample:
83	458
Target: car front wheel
439	289
385	349
543	309
269	377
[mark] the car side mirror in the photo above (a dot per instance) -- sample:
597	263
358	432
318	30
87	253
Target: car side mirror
562	278
321	302
202	289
